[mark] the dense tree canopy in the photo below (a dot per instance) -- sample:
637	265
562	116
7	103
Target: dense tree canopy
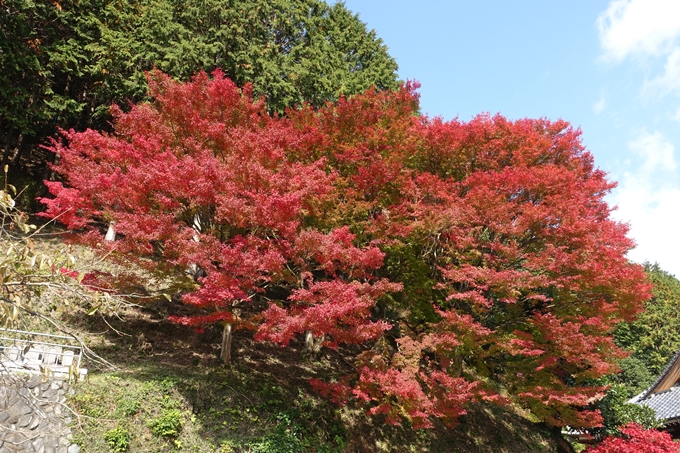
471	260
654	337
64	63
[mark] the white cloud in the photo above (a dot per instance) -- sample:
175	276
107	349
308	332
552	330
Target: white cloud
638	27
654	218
649	199
648	196
599	105
670	80
658	155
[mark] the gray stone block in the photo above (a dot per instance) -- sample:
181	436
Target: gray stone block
34	381
25	420
26	408
13	439
49	393
35	423
51	441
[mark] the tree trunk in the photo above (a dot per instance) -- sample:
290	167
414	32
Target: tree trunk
19	148
561	443
312	345
110	233
49	175
309	341
225	353
8	145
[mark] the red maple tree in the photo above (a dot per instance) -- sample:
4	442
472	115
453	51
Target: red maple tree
482	255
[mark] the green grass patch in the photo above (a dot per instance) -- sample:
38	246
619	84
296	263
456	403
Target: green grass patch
203	410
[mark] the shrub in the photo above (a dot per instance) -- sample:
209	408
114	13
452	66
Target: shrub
118	439
617	412
168	424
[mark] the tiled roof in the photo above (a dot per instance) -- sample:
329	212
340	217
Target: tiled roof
666	404
663	373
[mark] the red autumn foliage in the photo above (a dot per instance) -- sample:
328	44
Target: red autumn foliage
482	253
636	439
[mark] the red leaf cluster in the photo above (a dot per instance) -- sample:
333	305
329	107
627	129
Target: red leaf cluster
636	439
293	219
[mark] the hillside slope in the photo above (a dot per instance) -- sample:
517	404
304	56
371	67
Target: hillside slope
171	392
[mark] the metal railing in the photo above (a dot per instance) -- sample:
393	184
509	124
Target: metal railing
36	352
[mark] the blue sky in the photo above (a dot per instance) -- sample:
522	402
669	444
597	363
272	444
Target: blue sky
611	68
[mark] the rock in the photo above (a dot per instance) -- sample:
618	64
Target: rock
35	423
34	381
25	420
13	415
49	393
51	441
44	423
74	448
13	439
26	408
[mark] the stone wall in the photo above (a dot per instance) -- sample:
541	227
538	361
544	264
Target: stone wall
33	415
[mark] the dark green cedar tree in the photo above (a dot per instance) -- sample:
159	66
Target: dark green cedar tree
64	63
